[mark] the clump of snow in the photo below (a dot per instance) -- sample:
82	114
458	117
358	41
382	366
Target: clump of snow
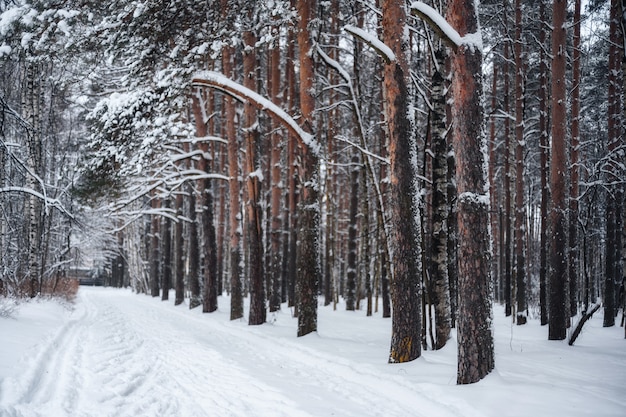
373	41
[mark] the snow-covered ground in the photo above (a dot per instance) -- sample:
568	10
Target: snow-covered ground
121	354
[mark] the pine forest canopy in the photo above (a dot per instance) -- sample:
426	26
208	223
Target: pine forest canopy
422	158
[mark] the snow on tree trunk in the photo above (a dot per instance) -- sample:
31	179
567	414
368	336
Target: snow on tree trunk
406	286
439	239
254	176
520	208
308	267
475	339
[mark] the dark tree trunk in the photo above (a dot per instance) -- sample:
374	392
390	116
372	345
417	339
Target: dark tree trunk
179	283
543	144
167	255
520	208
440	296
154	252
558	169
351	278
194	253
209	299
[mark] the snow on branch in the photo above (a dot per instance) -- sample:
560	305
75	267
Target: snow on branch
226	85
51	202
379	46
443	29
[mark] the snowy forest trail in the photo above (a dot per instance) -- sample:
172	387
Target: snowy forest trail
122	354
127	355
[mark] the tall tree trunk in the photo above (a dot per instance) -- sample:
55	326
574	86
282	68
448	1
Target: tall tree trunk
179	283
440	296
520	208
507	177
276	230
308	265
475	339
614	204
167	254
558	169
254	177
194	254
573	255
543	144
236	273
351	278
154	253
406	286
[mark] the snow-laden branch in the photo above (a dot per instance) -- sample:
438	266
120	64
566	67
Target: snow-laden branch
443	29
49	202
222	83
379	46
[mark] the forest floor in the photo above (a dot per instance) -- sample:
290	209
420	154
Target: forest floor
115	353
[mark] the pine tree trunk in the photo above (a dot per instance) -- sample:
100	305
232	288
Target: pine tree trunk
351	278
308	268
194	253
154	253
276	231
406	286
558	170
167	254
507	183
253	182
520	208
236	270
179	283
475	339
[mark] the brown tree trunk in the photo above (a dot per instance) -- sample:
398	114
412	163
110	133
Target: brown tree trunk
520	208
573	255
254	176
475	340
351	277
276	231
194	254
308	266
558	169
507	179
406	286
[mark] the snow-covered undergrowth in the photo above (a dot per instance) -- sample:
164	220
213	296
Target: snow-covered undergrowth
121	354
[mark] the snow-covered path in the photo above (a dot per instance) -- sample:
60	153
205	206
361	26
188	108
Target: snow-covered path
126	355
122	354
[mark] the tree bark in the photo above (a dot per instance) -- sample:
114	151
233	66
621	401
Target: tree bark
167	254
254	176
520	208
351	278
543	144
475	340
440	296
558	170
308	267
406	286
